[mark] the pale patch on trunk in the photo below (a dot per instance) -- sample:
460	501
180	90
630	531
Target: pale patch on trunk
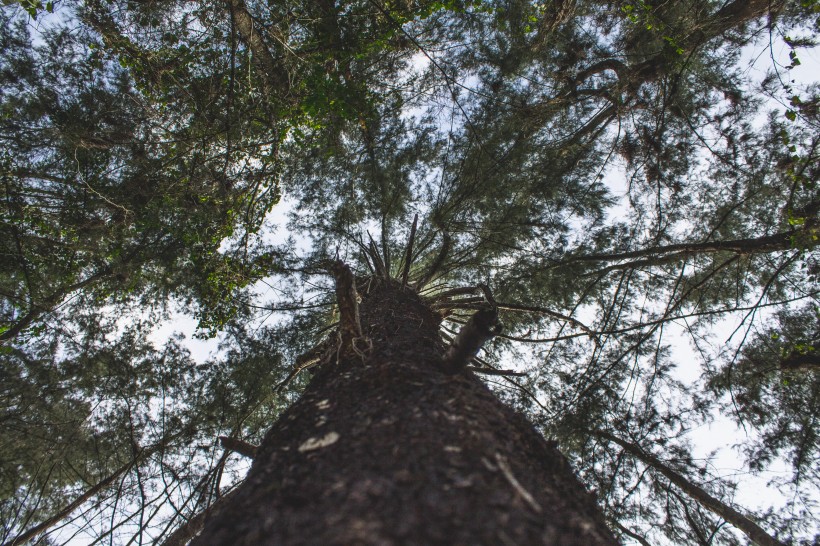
312	444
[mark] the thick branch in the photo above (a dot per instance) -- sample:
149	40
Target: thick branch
482	327
607	64
797	360
598	121
752	530
350	328
238	446
768	243
730	16
733	15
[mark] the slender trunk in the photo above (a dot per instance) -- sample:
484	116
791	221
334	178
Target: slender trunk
386	448
751	529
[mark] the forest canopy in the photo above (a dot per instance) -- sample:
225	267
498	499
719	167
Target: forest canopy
636	182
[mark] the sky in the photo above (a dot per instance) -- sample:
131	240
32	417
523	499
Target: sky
720	435
715	440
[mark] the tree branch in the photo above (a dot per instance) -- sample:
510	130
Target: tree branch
493	371
350	328
550	313
246	26
193	526
38	309
430	274
768	243
481	328
90	492
408	255
378	262
239	446
631	534
751	529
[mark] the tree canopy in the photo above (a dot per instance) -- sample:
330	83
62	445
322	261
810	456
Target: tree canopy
635	181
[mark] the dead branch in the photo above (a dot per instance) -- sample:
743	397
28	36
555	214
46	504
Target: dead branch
460	291
408	255
475	302
239	446
350	328
481	327
430	274
316	355
493	371
488	294
378	263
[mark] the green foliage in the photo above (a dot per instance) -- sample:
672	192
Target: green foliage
779	369
608	162
132	211
36	7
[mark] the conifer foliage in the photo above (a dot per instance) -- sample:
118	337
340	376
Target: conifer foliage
608	210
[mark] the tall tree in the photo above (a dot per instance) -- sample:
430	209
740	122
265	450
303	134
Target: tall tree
394	441
597	173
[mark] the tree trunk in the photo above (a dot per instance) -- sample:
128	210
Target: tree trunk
387	448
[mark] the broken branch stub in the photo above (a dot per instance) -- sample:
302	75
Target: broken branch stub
239	446
482	327
347	299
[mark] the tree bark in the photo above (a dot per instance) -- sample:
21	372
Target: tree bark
389	449
273	74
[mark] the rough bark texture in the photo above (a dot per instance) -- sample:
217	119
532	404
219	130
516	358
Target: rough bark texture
391	450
